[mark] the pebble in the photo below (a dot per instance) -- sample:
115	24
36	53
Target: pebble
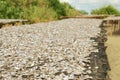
48	51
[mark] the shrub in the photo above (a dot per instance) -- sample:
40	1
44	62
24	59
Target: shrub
35	10
70	11
106	10
83	12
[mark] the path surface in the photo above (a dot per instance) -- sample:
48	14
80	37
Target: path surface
48	51
113	52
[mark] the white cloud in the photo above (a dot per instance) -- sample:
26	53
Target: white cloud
88	1
91	4
114	1
92	1
99	1
66	1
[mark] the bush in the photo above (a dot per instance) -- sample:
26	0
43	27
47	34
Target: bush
35	10
9	10
70	11
38	15
83	12
106	10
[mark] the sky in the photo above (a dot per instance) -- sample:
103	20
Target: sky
88	5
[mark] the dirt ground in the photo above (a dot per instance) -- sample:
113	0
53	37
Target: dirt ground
113	52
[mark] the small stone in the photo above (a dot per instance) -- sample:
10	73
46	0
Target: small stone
65	78
48	51
96	67
24	76
57	73
1	76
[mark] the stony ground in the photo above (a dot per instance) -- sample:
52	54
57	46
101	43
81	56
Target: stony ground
48	51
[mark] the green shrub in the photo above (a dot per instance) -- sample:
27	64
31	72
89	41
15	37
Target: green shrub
83	12
70	11
35	10
38	15
106	10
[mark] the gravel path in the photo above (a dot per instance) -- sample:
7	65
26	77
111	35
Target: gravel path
48	51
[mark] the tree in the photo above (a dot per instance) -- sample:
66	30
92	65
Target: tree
106	10
69	10
83	12
35	10
57	6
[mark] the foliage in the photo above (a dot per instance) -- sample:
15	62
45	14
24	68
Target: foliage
106	10
70	11
58	7
10	10
83	12
35	10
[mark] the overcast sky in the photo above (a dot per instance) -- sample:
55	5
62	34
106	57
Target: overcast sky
88	5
